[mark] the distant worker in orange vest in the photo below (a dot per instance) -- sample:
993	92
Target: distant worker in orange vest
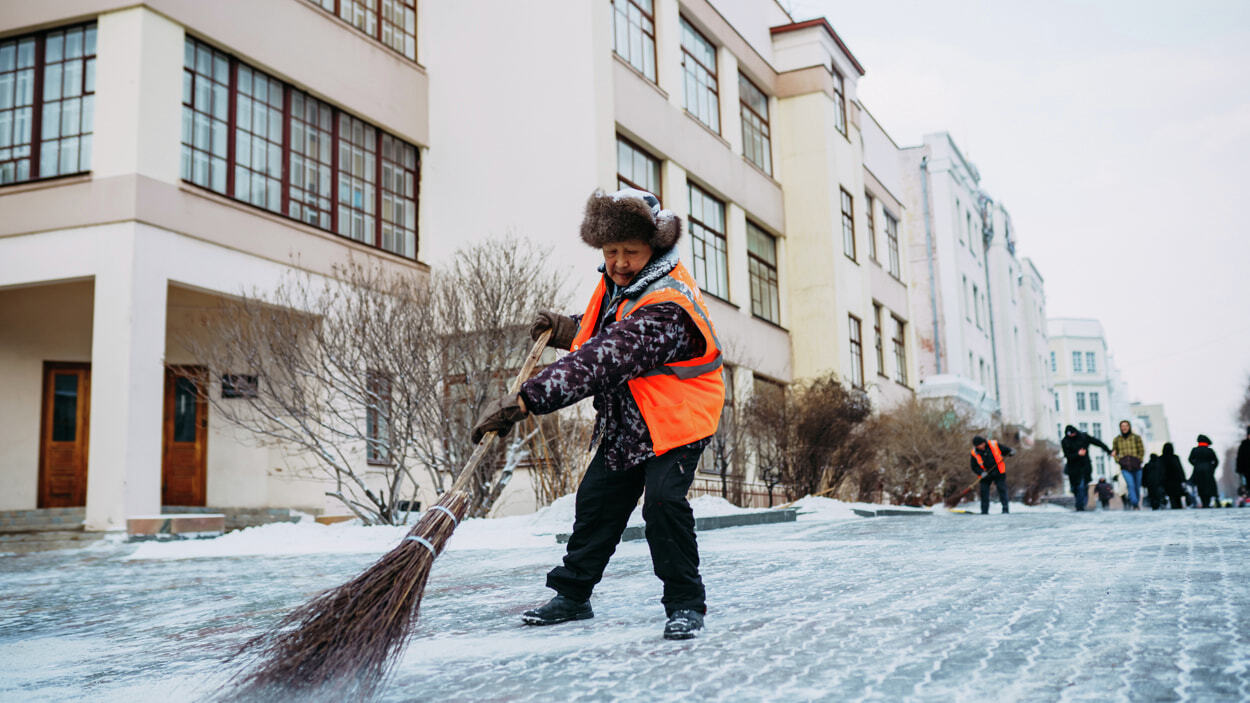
987	462
645	349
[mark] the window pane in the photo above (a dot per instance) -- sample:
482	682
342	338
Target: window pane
707	235
184	410
64	407
698	63
207	114
634	34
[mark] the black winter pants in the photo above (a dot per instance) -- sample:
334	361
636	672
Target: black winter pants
998	480
604	501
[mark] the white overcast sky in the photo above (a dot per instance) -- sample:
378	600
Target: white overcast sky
1117	133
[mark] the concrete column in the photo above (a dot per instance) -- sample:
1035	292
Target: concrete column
736	250
676	198
138	110
668	50
730	114
127	384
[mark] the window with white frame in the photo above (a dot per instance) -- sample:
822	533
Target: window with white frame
636	168
756	144
1090	365
848	225
1076	362
891	240
870	205
762	267
708	242
698	65
1080	400
1094	402
284	151
857	351
878	338
1097	430
976	303
633	23
1053	367
900	351
47	103
839	102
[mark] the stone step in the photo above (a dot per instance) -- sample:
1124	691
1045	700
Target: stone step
25	529
28	542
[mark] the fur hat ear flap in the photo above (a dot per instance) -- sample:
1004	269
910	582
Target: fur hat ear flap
626	215
667	230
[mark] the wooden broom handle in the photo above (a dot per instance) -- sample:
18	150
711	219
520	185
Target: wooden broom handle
488	439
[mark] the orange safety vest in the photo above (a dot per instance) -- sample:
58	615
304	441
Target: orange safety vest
998	457
681	401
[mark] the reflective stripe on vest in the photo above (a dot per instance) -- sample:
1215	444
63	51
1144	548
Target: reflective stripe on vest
681	401
998	457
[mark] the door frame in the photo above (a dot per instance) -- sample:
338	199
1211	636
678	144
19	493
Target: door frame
45	418
201	376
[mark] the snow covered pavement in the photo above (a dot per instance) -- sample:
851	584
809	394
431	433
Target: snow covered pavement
1040	605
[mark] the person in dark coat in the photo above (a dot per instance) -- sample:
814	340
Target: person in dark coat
1243	460
646	352
987	462
1105	492
1204	461
1152	479
1080	471
1173	476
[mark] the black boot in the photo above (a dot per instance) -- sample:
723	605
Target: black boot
557	610
683	625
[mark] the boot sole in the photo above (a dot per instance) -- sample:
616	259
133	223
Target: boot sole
680	635
533	620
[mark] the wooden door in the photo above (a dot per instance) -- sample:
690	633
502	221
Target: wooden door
184	439
63	435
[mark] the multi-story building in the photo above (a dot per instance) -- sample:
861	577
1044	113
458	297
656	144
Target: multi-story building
1017	322
894	355
949	270
1151	422
156	157
1081	372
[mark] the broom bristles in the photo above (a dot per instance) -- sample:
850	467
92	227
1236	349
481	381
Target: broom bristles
343	643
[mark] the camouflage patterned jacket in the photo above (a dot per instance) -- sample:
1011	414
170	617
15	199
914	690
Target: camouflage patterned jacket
617	352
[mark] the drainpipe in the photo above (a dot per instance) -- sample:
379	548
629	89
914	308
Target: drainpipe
928	242
986	234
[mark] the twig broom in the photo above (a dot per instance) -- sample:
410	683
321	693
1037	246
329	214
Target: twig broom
342	644
954	500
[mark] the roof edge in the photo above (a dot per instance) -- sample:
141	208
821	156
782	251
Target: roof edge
819	22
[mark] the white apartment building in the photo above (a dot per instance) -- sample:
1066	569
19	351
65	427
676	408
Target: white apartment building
155	157
950	275
1018	324
1151	422
158	157
894	355
1082	376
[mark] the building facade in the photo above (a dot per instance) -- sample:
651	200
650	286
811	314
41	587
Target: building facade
154	159
1083	383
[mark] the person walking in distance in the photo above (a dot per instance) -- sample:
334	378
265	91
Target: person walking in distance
1128	449
1243	460
1173	476
646	351
987	462
1075	445
1105	492
1204	461
1152	481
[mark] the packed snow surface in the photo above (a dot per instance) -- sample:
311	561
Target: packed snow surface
1040	605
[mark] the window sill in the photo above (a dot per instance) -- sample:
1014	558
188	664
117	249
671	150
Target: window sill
852	259
760	171
716	297
278	218
770	323
45	182
706	128
375	40
641	76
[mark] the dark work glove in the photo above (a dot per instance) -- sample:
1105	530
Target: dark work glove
563	329
499	416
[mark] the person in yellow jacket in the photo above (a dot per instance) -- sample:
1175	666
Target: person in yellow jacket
987	462
646	351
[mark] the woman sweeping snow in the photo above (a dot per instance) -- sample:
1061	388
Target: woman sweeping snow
646	351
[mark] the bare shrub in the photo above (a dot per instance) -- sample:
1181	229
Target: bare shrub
810	437
561	452
1035	470
924	452
377	376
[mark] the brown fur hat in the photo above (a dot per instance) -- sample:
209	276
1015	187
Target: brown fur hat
629	214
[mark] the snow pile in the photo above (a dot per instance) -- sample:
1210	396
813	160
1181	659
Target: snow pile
310	537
